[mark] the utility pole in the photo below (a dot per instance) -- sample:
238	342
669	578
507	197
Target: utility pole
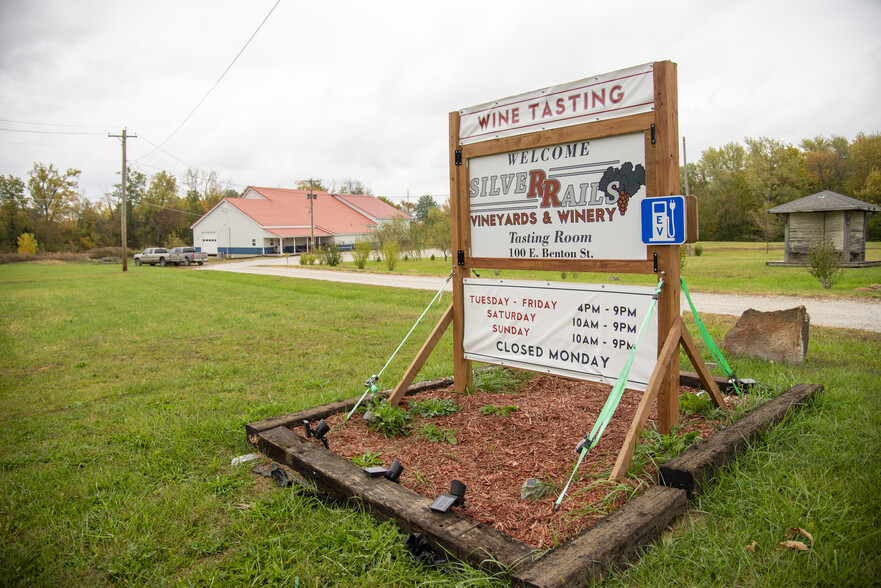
311	198
124	136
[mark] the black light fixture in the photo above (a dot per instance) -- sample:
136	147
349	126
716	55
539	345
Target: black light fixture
319	432
393	472
445	502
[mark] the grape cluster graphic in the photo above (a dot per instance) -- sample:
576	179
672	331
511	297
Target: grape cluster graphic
629	180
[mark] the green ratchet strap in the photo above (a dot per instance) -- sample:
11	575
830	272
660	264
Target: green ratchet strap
371	381
708	341
593	438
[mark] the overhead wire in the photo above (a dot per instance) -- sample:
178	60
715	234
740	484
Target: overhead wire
205	97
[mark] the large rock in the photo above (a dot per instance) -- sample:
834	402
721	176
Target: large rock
779	335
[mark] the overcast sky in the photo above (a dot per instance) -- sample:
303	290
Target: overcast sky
362	90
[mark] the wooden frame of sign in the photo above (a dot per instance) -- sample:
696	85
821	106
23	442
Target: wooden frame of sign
660	128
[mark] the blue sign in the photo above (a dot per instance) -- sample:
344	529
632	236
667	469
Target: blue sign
663	220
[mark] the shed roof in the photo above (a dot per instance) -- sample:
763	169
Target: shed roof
824	201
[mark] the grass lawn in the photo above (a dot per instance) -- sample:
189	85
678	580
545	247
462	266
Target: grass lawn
123	398
721	267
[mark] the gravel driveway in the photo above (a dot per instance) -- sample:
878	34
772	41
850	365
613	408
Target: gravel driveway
847	313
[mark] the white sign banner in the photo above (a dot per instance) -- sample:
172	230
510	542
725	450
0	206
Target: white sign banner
583	331
621	93
573	201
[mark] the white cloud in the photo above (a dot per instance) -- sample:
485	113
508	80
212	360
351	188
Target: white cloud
357	90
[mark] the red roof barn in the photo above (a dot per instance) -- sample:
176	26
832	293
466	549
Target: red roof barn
279	220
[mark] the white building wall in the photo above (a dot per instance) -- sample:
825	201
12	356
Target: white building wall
233	233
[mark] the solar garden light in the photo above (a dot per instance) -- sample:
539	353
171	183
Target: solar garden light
393	472
445	502
319	432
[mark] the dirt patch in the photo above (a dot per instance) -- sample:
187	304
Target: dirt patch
494	454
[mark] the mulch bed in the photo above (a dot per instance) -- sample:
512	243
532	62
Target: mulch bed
495	454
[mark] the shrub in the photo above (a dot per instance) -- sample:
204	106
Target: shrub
698	250
824	263
361	252
392	251
331	255
27	244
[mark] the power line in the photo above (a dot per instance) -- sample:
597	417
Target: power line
49	132
42	124
218	80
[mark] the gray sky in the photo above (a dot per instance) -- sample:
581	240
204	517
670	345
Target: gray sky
359	90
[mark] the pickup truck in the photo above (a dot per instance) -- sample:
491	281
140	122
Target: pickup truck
152	256
186	256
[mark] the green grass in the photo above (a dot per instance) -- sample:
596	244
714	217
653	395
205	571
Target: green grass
722	267
123	398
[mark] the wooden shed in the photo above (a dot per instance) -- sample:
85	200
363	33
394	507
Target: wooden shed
826	215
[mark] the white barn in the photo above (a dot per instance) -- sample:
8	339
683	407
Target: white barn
267	221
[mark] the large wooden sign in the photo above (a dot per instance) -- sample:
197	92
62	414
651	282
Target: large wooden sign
555	180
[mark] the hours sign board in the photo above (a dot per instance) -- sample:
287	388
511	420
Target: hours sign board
577	200
583	331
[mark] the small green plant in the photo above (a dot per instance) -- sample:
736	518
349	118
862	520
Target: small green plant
694	403
498	410
698	249
331	255
371	458
393	420
432	433
434	407
563	275
308	258
824	263
659	449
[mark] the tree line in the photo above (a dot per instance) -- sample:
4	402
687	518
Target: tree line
50	206
735	184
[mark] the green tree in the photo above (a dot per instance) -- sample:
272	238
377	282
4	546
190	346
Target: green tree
864	177
775	175
53	195
423	205
163	212
826	163
135	188
14	214
438	229
723	194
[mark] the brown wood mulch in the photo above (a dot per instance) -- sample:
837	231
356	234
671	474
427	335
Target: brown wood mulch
494	455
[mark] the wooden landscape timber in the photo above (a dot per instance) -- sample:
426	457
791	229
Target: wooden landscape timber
697	466
614	540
